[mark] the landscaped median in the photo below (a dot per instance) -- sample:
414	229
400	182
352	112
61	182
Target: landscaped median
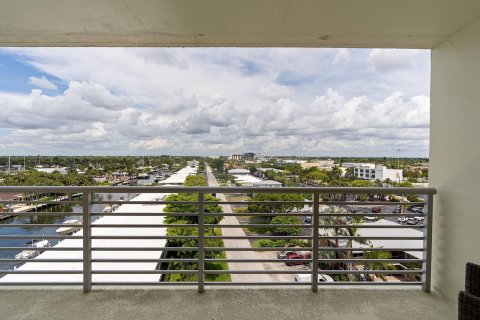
196	180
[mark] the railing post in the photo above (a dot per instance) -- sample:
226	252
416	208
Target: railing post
87	243
315	224
201	243
427	244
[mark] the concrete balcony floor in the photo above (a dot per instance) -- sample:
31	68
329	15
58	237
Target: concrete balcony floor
224	303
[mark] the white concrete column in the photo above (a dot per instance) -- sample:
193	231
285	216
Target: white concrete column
455	157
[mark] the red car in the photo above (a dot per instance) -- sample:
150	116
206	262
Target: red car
376	209
292	259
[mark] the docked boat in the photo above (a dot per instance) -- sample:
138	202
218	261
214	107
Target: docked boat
70	227
30	254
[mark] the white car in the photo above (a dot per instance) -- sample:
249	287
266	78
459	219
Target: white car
308	278
402	219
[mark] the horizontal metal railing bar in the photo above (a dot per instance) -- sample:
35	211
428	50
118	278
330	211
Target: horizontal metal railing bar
333	203
149	214
145	202
252	225
302	214
309	271
27	284
299	203
309	260
41	272
120	237
41	249
123	237
144	260
103	283
132	225
182	189
345	283
34	202
41	225
371	214
38	236
41	260
258	271
250	249
148	249
113	260
363	226
42	213
144	271
319	237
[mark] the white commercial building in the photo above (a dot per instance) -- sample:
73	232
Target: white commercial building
179	177
358	164
378	172
268	184
235	172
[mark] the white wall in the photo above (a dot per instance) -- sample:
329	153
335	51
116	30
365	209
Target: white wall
454	157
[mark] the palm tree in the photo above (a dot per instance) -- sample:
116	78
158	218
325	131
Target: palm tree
344	231
378	265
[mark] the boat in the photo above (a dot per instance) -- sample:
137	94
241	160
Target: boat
29	254
71	227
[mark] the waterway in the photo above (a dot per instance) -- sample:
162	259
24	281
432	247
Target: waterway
43	217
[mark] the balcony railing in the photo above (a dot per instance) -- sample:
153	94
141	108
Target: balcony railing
130	246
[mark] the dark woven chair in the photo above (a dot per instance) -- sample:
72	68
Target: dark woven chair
469	300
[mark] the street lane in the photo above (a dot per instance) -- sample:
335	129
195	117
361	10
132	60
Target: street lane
238	243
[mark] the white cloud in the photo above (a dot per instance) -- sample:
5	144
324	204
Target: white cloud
214	101
387	60
153	144
275	91
342	56
42	83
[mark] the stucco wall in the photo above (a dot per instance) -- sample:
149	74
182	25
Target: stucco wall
454	157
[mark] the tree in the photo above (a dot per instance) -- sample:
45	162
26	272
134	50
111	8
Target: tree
273	197
286	231
378	265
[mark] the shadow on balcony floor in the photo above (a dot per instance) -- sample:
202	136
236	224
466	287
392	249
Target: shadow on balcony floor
220	303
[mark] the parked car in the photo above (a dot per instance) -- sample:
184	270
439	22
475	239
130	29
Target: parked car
284	254
376	209
308	278
356	210
292	257
369	218
412	221
307	220
362	277
402	219
397	210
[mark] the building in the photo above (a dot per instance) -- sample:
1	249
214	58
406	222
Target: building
249	155
321	164
267	184
379	172
358	164
236	157
238	172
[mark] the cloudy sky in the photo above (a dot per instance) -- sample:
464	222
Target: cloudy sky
204	101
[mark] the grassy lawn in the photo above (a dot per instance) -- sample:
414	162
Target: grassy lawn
255	220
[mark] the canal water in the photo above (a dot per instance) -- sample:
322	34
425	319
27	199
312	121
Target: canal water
44	218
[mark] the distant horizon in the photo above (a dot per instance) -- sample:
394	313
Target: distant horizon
206	156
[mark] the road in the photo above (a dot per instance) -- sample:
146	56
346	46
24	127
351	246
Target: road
238	243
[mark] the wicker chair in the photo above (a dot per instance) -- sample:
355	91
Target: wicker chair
469	300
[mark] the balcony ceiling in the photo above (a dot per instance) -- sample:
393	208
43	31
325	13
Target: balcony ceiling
309	23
